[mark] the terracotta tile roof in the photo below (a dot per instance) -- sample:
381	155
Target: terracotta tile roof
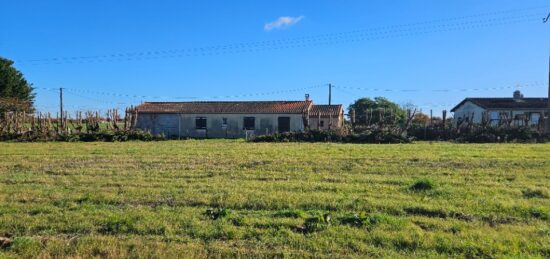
291	107
506	103
325	110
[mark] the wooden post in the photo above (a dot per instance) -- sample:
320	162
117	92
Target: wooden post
444	117
431	118
352	117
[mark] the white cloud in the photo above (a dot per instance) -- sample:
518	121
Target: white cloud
283	22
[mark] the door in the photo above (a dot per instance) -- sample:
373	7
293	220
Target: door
284	124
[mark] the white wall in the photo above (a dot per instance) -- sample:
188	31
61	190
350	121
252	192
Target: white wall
183	125
466	110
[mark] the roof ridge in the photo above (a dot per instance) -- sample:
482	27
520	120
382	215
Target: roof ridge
227	106
292	101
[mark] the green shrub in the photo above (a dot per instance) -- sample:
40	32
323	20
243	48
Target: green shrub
92	136
480	134
370	136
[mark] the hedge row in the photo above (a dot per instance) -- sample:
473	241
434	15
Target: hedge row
372	136
471	135
105	136
479	134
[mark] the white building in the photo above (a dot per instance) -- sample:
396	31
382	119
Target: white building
518	109
236	119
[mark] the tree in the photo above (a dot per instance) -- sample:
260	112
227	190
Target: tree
15	92
421	119
379	110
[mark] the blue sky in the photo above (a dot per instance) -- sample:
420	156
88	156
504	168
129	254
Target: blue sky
420	45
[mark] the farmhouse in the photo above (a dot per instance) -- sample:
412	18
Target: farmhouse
518	110
235	119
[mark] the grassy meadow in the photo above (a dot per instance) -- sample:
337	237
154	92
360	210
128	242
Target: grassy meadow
222	198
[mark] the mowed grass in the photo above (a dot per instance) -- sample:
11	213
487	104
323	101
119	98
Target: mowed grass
231	198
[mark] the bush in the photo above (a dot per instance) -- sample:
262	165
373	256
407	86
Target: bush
103	135
368	136
494	135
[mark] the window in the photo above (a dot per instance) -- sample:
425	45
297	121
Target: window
224	122
249	123
494	116
200	123
322	123
535	118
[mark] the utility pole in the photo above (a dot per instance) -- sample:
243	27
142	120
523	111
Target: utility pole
61	122
329	94
545	20
547	121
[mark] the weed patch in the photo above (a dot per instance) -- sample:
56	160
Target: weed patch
119	224
215	214
290	214
422	185
534	193
316	223
432	213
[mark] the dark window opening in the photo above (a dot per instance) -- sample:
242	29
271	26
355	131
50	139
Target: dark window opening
322	123
224	122
284	124
249	123
200	123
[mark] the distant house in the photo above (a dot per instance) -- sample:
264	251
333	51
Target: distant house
235	119
517	110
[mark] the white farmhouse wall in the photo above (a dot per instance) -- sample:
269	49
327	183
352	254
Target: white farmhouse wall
466	110
469	108
183	125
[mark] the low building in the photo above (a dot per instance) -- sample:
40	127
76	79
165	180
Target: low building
235	119
326	117
518	110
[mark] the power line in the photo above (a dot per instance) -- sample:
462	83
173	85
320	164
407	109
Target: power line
306	41
534	84
75	91
340	88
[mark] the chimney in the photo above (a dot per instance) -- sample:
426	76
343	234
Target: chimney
518	95
307	97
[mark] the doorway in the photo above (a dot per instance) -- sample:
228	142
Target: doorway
284	124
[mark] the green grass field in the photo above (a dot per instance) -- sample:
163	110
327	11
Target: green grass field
231	198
